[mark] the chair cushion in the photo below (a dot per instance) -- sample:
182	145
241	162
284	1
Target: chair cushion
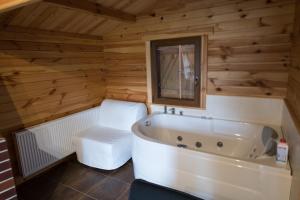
121	114
103	147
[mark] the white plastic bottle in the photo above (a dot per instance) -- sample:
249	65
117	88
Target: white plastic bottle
282	151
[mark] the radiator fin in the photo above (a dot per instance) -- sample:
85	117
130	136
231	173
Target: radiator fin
31	157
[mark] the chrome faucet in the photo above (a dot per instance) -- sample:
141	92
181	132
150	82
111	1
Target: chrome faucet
165	109
172	111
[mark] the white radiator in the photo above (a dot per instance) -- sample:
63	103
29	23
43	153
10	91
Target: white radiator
42	145
32	159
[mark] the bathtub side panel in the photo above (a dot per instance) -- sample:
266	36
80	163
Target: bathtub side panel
203	175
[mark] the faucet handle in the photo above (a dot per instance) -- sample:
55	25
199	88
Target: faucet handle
165	109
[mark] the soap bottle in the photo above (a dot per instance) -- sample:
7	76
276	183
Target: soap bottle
282	151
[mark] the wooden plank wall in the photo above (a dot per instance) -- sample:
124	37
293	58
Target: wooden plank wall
45	75
293	104
293	95
248	53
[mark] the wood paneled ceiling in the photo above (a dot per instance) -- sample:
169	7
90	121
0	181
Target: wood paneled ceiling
50	16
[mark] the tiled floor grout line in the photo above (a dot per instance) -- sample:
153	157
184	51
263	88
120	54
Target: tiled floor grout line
120	180
100	182
123	193
110	176
85	194
105	175
100	177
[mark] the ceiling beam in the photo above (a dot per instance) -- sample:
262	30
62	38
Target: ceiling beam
7	5
96	9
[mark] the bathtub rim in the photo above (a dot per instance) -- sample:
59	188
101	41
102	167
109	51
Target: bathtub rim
269	166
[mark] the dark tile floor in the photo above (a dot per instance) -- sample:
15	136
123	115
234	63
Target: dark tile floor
74	181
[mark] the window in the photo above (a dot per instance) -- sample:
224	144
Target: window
176	71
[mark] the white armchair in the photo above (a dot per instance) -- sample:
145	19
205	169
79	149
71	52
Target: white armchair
107	145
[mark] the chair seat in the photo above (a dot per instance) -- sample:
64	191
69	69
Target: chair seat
103	147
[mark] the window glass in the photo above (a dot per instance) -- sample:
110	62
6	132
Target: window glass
175	71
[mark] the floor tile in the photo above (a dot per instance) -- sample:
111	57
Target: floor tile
68	172
37	189
125	173
77	176
87	198
84	182
72	180
125	195
65	193
81	177
109	189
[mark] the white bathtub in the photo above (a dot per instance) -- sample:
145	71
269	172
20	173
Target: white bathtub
228	164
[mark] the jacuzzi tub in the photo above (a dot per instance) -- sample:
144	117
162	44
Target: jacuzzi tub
209	158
